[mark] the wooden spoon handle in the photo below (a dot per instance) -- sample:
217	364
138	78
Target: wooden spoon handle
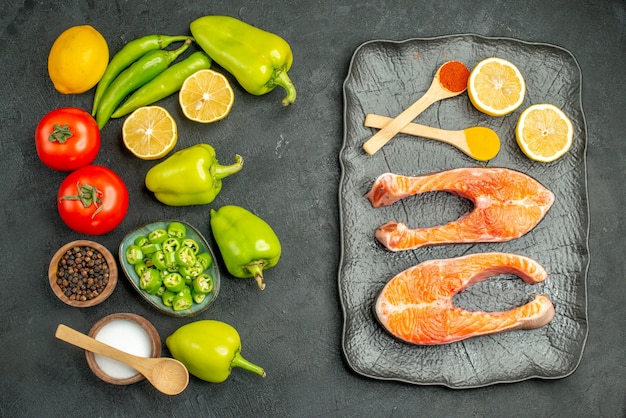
83	341
434	93
378	121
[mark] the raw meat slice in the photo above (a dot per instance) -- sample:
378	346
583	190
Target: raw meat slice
416	305
507	205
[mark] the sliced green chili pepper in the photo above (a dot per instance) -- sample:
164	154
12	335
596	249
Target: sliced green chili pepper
168	298
174	282
134	254
185	257
205	260
130	53
189	272
170	261
150	281
259	60
171	244
139	73
182	300
177	230
150	249
168	82
191	243
198	297
158	260
203	283
161	290
157	236
140	268
141	240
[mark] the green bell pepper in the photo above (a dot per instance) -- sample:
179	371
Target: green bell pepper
247	243
209	349
191	176
258	59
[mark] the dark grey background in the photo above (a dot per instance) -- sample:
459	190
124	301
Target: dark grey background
293	328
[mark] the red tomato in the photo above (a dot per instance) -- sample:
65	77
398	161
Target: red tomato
67	138
92	200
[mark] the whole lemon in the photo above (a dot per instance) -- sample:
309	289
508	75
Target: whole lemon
78	59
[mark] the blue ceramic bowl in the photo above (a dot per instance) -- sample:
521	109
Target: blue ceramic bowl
156	300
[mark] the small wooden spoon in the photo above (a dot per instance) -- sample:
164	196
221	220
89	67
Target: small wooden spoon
168	375
437	91
478	142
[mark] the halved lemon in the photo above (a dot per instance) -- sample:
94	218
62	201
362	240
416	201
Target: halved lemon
496	87
150	132
206	96
544	132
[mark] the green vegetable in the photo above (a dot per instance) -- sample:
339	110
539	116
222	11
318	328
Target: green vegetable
150	281
203	283
134	255
168	82
209	349
130	53
166	268
139	73
191	176
247	243
259	60
182	300
176	230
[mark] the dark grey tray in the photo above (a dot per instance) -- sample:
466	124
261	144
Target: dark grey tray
385	77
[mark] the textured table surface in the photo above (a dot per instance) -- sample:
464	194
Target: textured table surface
294	327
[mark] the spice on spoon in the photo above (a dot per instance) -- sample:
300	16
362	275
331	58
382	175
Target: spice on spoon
453	76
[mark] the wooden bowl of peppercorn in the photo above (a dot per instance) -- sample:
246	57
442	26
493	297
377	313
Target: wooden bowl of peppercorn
82	273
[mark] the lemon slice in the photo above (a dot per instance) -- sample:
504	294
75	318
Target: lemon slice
496	87
544	132
150	132
206	96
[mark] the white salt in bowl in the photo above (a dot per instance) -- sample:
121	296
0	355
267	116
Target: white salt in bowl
127	332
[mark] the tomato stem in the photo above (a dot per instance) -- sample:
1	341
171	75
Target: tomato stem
88	195
60	133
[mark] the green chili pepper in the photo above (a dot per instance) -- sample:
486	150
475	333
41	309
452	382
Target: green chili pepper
247	243
185	257
158	260
134	254
139	73
140	268
174	282
141	240
259	60
177	230
205	260
189	272
191	243
182	300
150	281
130	53
168	82
157	236
168	298
150	249
203	283
198	297
191	176
170	244
209	349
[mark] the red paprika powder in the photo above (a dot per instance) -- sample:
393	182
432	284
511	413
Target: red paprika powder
453	76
